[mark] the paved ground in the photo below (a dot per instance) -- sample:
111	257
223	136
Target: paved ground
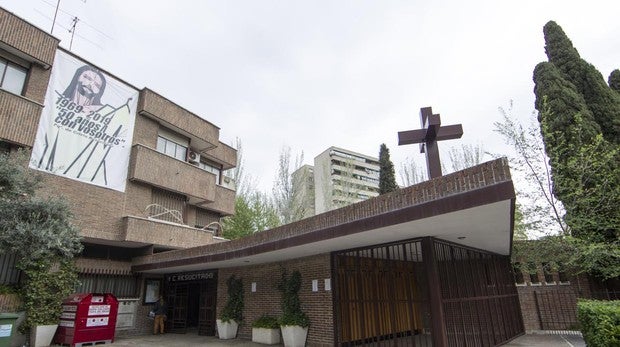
193	340
547	340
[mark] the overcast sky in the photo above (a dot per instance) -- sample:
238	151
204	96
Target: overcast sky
314	74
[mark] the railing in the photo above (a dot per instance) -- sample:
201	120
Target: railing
176	215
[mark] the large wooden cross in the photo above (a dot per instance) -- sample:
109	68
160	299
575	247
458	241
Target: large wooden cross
427	137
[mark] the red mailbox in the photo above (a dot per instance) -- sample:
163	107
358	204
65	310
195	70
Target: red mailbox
87	318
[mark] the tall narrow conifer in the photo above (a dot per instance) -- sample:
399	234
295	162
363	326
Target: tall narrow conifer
576	125
387	179
600	99
614	80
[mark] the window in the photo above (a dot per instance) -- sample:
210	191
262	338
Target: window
171	148
12	77
212	169
166	205
206	218
9	274
120	285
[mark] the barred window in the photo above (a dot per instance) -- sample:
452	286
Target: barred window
169	206
122	286
9	274
204	218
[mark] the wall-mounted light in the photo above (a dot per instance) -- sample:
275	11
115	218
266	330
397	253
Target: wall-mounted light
253	287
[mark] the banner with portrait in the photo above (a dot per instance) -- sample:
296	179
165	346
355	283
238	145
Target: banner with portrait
86	126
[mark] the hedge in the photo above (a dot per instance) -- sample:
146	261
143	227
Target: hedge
600	322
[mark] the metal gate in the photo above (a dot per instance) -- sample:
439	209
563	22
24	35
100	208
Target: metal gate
206	312
557	310
177	308
479	297
381	297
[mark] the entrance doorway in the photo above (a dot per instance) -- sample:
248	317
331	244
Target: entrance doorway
192	299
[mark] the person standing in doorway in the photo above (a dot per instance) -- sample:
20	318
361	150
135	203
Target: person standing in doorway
160	310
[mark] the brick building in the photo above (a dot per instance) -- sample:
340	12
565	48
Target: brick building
425	265
172	191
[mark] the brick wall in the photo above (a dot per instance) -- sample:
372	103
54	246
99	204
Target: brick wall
564	296
267	298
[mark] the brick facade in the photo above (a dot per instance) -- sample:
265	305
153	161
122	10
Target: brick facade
267	299
115	225
554	302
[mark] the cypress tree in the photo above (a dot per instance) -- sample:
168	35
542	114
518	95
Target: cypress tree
566	123
600	99
387	180
584	166
614	80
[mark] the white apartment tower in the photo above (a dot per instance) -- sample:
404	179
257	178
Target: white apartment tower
341	177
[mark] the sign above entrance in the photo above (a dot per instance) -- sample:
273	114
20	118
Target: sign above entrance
192	276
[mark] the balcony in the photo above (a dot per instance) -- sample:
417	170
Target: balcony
224	201
163	234
203	135
25	40
157	169
19	118
223	154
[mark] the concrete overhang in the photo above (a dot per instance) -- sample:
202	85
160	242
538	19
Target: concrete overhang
473	207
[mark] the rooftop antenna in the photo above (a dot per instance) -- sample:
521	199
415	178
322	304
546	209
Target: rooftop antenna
72	30
55	14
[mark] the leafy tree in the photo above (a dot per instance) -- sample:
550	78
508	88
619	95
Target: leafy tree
387	179
245	183
254	211
465	156
538	208
286	188
32	227
40	233
410	173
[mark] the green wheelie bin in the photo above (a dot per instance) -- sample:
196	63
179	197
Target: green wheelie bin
7	328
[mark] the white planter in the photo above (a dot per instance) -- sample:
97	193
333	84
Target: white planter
266	336
294	335
227	330
42	335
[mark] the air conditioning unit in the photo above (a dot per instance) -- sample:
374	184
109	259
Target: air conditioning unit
193	157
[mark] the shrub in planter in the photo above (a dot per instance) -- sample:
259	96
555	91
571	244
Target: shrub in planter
600	322
266	329
232	314
266	322
294	322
